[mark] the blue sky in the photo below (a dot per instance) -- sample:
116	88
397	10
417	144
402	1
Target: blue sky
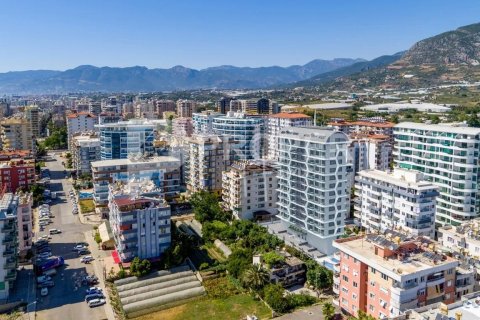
63	34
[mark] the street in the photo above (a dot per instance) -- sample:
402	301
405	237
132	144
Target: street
66	299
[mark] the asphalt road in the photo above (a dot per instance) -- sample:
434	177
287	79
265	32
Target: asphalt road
66	299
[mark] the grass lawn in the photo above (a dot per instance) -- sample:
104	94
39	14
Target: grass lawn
86	205
232	308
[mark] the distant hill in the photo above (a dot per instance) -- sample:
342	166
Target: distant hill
445	58
106	79
361	66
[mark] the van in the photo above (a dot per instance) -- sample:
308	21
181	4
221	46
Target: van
96	302
93	296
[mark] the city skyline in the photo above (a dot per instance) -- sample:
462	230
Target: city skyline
61	36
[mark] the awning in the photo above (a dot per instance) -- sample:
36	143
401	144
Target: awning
115	256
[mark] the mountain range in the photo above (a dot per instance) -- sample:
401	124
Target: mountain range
449	57
88	78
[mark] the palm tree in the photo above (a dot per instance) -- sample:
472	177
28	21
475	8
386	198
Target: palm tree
328	311
255	277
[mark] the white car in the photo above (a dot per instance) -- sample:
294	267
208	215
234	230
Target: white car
79	248
96	302
44	292
86	259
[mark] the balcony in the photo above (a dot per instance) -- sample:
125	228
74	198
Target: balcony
10	264
9	253
11	276
8	240
8	228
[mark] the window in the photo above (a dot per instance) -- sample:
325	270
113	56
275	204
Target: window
372	295
384	277
371	308
354	296
345	278
344	290
355	285
450	271
372	270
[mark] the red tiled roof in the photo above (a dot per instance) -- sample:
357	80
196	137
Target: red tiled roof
128	201
75	115
290	115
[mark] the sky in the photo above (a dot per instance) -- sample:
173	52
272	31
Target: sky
59	34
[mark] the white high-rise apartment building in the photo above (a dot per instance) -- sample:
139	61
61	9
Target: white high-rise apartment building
85	150
447	156
400	200
250	189
279	121
312	184
32	114
140	220
203	121
185	108
246	131
208	157
16	134
78	123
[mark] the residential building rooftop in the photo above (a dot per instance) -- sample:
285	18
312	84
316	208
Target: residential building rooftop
395	254
132	161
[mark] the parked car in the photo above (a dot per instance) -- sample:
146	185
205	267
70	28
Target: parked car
79	247
96	302
84	244
93	296
86	259
83	252
42	279
93	290
45	255
54	231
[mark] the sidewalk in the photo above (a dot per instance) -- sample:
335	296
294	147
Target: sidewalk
98	267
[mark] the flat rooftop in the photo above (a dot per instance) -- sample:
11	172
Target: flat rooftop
364	251
120	162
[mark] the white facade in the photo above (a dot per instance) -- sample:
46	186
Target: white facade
448	156
249	188
185	108
8	242
163	171
401	200
139	219
203	121
85	150
246	131
208	157
24	222
312	184
126	138
464	239
78	123
277	122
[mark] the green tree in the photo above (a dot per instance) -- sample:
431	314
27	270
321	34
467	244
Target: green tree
238	261
206	207
139	267
212	230
272	258
328	311
318	276
273	294
255	277
473	121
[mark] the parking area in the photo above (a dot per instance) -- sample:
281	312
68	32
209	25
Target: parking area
63	236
